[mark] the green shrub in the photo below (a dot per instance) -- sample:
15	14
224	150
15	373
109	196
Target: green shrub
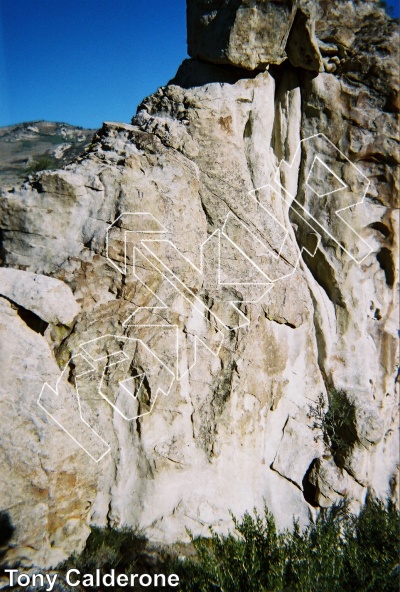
57	139
26	144
337	423
371	558
340	552
252	562
107	548
43	163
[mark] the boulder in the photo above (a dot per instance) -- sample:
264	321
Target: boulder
253	35
49	298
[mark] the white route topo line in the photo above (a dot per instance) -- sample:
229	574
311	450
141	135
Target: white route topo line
51	400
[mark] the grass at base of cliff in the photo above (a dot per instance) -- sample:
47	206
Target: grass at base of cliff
340	552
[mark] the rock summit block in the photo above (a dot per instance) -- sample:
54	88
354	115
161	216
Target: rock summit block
253	34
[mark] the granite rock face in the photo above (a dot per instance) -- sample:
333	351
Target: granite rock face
232	259
253	34
44	498
48	298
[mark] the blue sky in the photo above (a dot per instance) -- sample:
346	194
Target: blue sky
87	61
394	8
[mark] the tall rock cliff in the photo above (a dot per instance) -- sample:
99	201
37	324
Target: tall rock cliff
199	314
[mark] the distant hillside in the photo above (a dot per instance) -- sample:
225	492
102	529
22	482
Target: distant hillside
37	145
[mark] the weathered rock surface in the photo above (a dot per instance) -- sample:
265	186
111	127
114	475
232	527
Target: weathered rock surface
197	185
48	298
253	34
43	494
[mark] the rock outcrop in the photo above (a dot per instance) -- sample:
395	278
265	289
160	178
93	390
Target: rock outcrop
232	259
253	34
49	299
